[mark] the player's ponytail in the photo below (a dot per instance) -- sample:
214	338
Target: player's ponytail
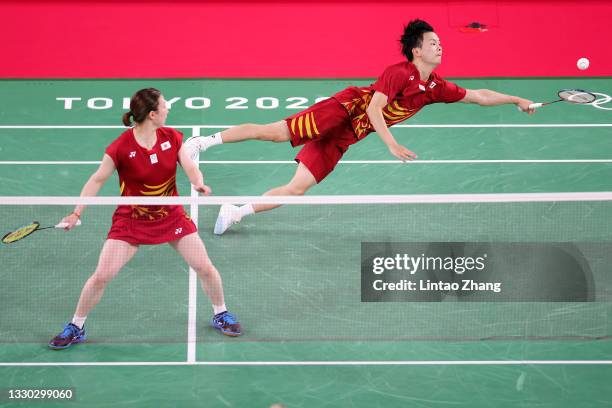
142	102
126	118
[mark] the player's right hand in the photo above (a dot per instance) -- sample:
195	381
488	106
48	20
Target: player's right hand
70	220
523	105
402	153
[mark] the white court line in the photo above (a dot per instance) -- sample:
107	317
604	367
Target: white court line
252	162
192	293
483	125
314	363
192	338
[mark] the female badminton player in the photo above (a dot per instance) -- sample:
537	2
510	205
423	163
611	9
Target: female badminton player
328	128
145	157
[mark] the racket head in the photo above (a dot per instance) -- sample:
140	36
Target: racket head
20	233
577	96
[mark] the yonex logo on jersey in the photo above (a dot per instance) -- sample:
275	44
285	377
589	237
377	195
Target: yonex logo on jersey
178	231
165	145
153	158
132	154
431	86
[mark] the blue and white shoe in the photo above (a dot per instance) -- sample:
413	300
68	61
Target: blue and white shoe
69	336
227	324
228	216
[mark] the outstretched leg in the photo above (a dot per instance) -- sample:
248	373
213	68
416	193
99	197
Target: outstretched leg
272	132
229	214
301	182
114	255
192	249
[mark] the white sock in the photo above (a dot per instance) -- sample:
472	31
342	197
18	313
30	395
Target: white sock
218	138
79	321
246	209
215	139
219	309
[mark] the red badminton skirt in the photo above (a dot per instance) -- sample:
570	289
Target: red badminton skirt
173	226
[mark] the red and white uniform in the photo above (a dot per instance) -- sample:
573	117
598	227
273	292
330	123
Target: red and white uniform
144	172
329	127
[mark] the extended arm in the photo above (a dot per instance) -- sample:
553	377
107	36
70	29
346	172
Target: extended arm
486	97
91	188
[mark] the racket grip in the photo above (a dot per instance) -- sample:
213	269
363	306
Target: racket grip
65	224
532	106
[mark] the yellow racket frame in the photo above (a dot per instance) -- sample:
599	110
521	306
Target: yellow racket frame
20	233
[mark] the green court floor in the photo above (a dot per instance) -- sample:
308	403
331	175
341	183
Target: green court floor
293	275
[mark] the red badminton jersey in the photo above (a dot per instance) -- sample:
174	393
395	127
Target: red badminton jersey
144	172
406	92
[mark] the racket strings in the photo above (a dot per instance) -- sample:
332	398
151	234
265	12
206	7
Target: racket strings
577	96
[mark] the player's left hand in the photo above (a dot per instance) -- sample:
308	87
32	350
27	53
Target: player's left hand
402	153
523	105
203	188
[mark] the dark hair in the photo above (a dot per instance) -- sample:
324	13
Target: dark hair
142	102
413	36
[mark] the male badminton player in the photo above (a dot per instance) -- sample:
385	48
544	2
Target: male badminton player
328	128
146	158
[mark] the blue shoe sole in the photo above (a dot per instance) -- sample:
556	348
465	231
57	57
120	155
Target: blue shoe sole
226	332
229	333
76	341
